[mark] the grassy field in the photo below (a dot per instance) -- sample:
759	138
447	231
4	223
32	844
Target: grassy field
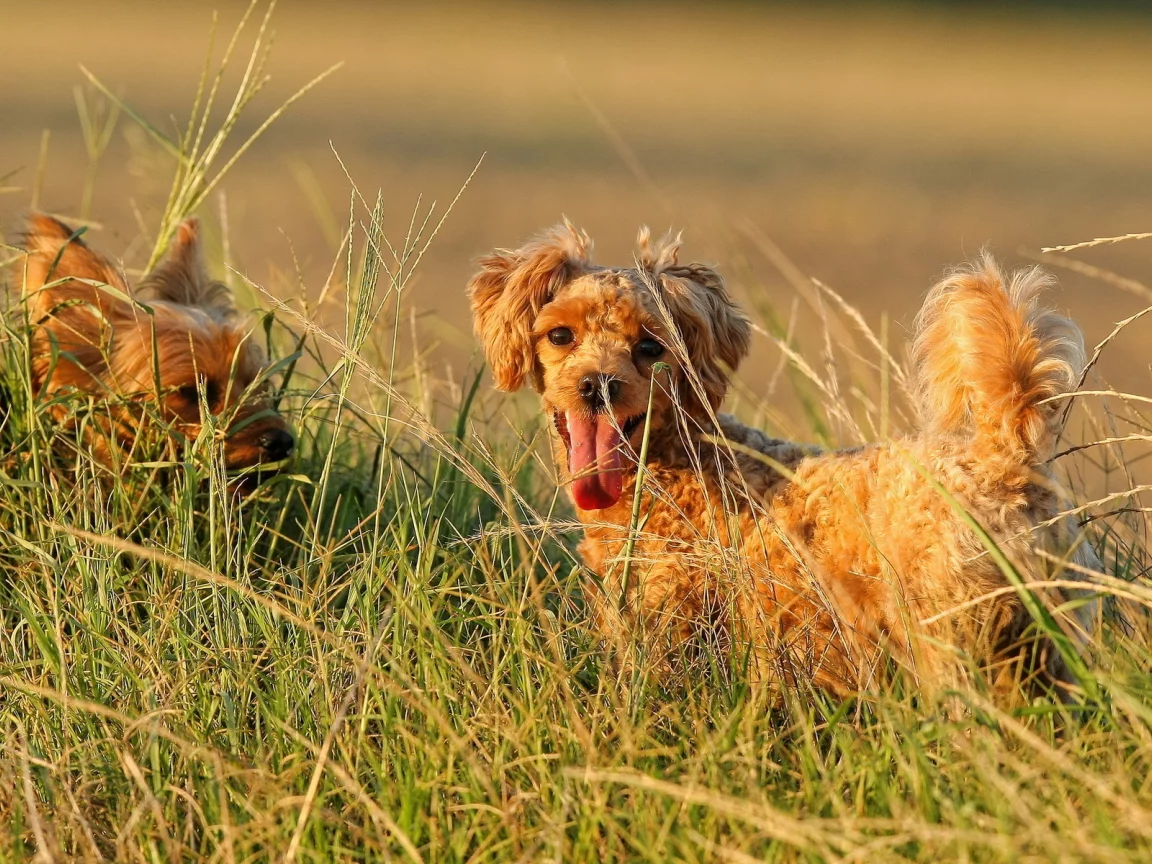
383	654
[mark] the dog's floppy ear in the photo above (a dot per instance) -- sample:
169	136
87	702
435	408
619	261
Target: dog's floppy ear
716	334
61	267
183	276
73	294
510	289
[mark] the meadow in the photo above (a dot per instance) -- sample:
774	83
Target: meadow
383	653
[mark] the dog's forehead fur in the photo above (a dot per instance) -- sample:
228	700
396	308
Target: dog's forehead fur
190	343
606	302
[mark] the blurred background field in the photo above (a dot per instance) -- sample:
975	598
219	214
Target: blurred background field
874	144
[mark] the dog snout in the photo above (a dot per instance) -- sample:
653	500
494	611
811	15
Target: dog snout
277	444
599	390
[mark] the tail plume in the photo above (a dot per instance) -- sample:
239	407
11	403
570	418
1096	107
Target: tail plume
989	359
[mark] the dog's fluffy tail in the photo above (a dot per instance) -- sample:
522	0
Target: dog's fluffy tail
989	360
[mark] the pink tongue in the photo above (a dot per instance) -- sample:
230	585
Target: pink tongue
594	461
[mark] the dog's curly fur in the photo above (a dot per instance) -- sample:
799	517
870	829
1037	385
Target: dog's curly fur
176	343
820	563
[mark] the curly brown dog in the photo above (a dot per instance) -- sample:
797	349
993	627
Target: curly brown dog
818	563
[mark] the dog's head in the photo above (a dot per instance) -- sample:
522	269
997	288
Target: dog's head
176	342
600	343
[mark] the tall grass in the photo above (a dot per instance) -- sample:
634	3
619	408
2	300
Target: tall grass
383	654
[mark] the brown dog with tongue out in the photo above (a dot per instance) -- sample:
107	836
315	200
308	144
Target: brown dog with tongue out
815	565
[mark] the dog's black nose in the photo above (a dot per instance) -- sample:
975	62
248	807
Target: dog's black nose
277	444
594	389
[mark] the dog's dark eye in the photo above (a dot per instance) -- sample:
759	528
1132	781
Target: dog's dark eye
649	348
190	393
560	336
